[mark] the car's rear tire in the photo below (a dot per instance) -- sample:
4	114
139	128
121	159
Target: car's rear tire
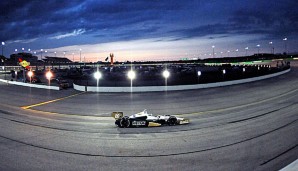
172	121
124	122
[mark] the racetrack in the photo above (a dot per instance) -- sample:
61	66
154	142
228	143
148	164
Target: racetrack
250	126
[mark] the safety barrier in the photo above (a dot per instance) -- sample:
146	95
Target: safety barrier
174	88
31	85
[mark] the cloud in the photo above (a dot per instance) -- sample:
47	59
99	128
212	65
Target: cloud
93	21
23	41
74	33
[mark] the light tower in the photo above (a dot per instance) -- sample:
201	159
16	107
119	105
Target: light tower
3	43
285	39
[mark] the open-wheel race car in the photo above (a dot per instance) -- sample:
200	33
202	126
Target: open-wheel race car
143	119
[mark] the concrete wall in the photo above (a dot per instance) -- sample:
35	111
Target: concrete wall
173	88
30	85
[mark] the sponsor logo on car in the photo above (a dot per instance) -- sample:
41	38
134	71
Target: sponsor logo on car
139	123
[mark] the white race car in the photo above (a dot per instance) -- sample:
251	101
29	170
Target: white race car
143	119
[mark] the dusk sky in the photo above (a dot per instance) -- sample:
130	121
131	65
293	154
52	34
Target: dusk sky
148	29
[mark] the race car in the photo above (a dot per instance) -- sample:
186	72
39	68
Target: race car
143	119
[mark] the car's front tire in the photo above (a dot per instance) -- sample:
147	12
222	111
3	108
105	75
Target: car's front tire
172	121
124	122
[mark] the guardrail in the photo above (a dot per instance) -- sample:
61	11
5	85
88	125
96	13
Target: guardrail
174	88
149	88
31	85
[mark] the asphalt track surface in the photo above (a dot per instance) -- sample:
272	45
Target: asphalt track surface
250	126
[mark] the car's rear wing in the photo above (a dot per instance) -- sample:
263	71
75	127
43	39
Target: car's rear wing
117	115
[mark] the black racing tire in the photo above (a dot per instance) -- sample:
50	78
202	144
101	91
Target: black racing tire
124	122
172	121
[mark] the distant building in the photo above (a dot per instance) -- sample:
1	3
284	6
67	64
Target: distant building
56	60
14	58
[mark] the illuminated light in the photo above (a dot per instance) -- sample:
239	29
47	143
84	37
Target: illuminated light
166	74
243	69
97	75
30	74
49	75
131	74
3	43
199	73
224	71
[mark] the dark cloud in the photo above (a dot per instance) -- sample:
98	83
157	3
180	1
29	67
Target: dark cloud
273	18
125	19
27	19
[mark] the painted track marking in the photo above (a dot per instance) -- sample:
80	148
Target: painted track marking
51	101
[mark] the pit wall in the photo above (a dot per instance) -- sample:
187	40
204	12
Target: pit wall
174	88
30	85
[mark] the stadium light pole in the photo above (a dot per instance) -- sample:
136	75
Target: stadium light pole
285	39
199	75
30	74
258	46
166	74
246	51
213	50
49	75
4	63
236	52
3	43
131	75
41	50
97	75
271	47
55	53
